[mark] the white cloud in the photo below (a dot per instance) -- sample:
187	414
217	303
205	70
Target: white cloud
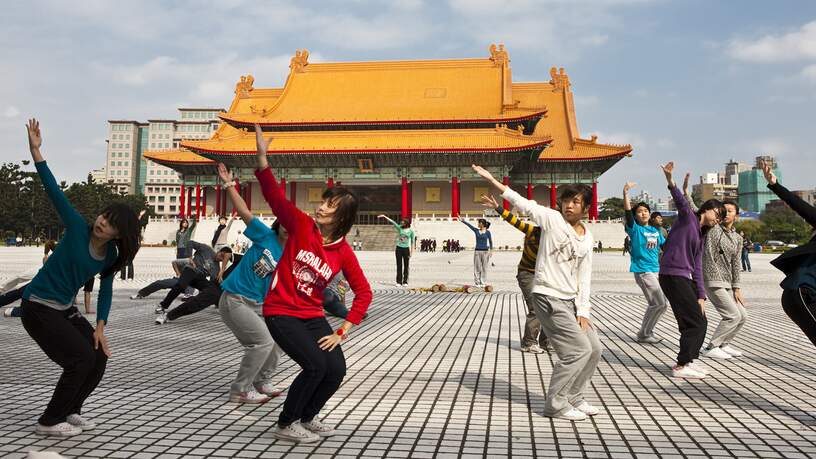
793	46
11	112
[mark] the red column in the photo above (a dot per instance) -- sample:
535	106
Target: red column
455	196
283	185
553	196
198	201
204	203
189	201
330	183
506	203
248	199
218	199
529	191
293	192
404	212
411	199
181	201
593	211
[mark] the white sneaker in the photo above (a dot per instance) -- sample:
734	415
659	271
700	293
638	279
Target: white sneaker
533	349
699	367
687	372
317	427
586	408
161	318
7	312
717	353
63	429
296	433
82	423
572	414
269	389
251	396
158	309
731	350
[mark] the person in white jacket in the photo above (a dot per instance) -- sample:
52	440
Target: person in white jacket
561	294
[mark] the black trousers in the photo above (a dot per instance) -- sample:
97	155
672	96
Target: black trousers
403	255
12	295
189	277
127	271
205	298
800	306
67	339
682	296
322	372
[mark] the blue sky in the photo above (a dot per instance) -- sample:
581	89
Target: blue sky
695	81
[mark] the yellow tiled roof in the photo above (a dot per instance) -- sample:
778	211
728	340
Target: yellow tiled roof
177	156
499	138
430	90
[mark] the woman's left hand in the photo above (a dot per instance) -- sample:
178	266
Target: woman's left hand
329	342
101	340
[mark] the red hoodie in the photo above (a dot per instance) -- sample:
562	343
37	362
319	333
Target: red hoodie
307	265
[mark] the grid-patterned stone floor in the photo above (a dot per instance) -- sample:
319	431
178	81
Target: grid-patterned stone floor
428	375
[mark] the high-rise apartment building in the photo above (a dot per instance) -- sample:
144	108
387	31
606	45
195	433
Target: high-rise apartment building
129	171
754	194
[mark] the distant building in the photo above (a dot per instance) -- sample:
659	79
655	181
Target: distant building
754	194
732	171
706	191
808	196
99	175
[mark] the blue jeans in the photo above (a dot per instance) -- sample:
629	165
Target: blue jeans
333	305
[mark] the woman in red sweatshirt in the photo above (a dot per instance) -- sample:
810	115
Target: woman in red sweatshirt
293	309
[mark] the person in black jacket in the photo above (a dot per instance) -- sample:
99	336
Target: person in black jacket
799	264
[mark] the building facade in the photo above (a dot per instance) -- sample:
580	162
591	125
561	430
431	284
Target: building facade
130	172
401	134
754	194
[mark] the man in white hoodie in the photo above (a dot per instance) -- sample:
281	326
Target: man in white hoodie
561	294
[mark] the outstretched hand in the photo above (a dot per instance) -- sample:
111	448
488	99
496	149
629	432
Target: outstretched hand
686	182
482	172
34	134
628	186
489	201
381	216
224	174
668	169
768	172
261	142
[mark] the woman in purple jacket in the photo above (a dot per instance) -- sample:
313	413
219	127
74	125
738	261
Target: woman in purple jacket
681	275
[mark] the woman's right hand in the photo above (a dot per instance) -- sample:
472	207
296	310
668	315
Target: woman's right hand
668	169
34	134
224	174
489	201
628	186
768	172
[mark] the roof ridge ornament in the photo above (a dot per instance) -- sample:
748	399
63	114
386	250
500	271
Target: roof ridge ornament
299	60
559	78
244	86
498	55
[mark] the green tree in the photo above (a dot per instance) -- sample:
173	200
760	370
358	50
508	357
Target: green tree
611	208
784	224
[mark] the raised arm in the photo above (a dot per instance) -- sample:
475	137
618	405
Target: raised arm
390	221
272	192
69	216
680	202
628	218
800	206
490	202
229	185
687	195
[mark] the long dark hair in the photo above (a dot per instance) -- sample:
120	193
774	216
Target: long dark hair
181	224
122	217
711	204
346	212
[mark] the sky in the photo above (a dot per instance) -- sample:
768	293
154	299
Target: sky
695	81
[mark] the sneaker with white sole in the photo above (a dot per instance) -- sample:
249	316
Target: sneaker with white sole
63	429
731	350
699	367
533	349
82	423
159	309
572	414
717	353
317	427
649	339
7	312
269	389
136	296
687	372
586	408
161	318
296	433
250	396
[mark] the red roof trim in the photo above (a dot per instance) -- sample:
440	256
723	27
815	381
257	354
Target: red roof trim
593	158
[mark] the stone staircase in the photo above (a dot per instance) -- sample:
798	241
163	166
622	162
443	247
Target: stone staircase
373	237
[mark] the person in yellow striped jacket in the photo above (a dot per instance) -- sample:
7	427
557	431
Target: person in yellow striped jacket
534	339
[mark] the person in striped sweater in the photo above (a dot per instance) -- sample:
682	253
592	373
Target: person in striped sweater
534	339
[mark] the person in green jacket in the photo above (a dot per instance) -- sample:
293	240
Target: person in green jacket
405	241
48	313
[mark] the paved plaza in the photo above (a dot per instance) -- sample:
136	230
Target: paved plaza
428	375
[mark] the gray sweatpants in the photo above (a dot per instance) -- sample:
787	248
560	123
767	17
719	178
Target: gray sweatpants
733	315
261	353
578	353
656	302
480	260
533	333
